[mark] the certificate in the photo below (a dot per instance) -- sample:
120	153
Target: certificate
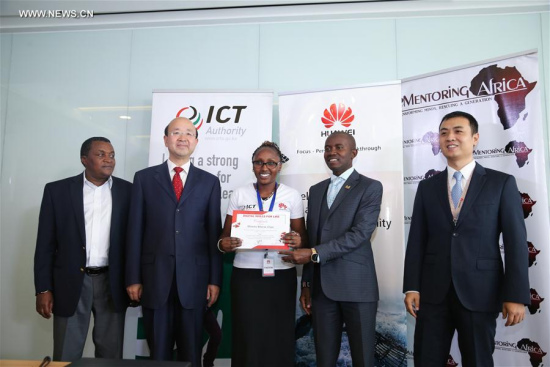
260	230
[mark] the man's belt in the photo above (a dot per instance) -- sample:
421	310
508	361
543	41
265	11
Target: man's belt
96	270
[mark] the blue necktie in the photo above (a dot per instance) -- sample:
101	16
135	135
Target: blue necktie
335	185
456	192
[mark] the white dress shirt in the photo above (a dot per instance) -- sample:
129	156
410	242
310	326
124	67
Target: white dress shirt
183	174
98	205
466	171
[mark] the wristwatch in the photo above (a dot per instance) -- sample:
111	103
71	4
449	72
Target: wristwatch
314	256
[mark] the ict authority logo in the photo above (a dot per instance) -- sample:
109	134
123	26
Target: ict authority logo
221	122
192	114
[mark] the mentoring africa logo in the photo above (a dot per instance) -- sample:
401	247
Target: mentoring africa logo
195	117
337	113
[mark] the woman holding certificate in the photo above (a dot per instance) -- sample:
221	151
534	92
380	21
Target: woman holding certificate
263	287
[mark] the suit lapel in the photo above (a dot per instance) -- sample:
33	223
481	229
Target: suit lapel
476	184
115	207
191	182
77	200
315	201
163	178
442	190
346	188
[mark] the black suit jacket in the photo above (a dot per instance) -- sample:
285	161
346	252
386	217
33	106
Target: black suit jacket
469	254
347	262
60	256
170	239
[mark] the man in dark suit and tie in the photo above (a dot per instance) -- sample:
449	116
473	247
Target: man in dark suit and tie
342	215
454	276
173	265
79	258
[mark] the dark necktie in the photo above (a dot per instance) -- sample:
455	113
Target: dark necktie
176	182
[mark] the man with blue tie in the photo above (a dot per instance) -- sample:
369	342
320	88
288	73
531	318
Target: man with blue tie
454	275
173	265
339	284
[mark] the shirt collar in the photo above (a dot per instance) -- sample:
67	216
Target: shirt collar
344	175
92	185
466	171
172	165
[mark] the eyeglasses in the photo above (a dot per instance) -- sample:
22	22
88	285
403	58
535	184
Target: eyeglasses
260	164
181	133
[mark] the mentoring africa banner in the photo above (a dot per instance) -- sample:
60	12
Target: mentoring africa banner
371	114
504	96
231	125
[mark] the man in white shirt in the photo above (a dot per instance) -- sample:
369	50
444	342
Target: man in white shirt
79	257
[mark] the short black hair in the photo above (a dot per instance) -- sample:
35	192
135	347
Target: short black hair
349	137
274	146
166	130
87	145
474	126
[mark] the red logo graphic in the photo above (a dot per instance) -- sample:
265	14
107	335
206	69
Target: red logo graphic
282	206
527	204
533	252
335	114
451	362
195	117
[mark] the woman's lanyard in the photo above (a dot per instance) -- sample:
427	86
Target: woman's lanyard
268	269
260	206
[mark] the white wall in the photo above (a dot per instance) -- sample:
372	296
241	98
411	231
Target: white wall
59	88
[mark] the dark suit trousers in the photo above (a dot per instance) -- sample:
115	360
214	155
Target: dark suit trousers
171	323
435	327
69	333
329	316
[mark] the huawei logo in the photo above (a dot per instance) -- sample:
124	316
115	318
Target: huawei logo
195	117
337	113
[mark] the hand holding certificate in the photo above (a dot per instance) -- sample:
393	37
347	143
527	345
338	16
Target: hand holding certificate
260	230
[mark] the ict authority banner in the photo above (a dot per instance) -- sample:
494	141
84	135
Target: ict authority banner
231	125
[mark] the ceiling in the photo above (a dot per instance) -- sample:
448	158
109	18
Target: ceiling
10	8
118	14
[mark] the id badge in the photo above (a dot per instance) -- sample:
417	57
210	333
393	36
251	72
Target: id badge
268	269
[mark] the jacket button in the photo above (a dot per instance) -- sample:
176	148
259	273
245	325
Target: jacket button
177	210
82	269
177	232
455	234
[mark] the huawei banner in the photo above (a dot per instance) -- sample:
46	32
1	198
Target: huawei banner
504	96
372	115
231	125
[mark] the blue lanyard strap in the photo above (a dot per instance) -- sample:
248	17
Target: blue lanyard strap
260	206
